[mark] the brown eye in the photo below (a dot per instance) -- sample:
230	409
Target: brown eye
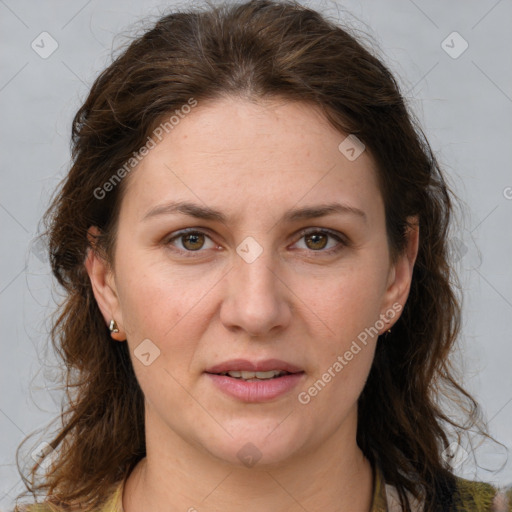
322	241
193	241
316	241
190	241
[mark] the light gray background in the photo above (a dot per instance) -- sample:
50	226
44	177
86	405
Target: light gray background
464	104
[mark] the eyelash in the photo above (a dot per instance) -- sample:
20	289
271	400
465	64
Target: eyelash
342	241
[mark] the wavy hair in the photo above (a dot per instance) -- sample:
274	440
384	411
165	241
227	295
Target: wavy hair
258	49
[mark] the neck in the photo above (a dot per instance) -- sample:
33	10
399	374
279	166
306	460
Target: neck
332	476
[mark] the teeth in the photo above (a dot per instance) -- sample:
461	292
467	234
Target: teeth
254	375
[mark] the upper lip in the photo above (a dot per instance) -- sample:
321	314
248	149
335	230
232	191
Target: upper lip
251	366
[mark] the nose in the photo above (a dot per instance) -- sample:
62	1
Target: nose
257	300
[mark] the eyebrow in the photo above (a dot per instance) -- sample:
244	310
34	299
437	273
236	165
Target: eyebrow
207	213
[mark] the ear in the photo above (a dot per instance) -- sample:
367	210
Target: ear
103	285
400	276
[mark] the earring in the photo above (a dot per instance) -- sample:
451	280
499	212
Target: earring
113	326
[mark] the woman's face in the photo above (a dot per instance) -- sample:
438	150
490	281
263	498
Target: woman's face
269	279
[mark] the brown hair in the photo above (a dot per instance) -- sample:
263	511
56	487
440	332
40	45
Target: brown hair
259	49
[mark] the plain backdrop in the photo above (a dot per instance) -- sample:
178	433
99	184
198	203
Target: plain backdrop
452	60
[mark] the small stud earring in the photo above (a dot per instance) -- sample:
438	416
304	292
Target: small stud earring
385	334
113	326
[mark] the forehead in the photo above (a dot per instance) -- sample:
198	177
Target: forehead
245	154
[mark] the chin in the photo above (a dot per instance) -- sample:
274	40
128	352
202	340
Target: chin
259	444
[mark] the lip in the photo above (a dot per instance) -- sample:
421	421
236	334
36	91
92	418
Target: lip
250	366
259	391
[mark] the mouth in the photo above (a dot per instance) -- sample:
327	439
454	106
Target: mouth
255	382
248	370
254	376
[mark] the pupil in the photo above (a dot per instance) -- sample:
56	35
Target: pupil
194	239
315	238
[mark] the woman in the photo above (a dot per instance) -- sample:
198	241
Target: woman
259	313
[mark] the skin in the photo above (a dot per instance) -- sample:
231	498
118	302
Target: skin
253	161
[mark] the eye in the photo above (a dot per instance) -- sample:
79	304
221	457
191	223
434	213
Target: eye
323	241
317	240
190	240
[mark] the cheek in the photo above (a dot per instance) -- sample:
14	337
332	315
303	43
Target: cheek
163	322
343	311
152	298
167	307
344	347
344	302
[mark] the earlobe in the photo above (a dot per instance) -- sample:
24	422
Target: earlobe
103	286
115	333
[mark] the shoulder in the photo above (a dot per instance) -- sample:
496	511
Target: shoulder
482	497
467	496
113	503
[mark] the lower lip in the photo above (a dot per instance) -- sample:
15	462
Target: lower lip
257	391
